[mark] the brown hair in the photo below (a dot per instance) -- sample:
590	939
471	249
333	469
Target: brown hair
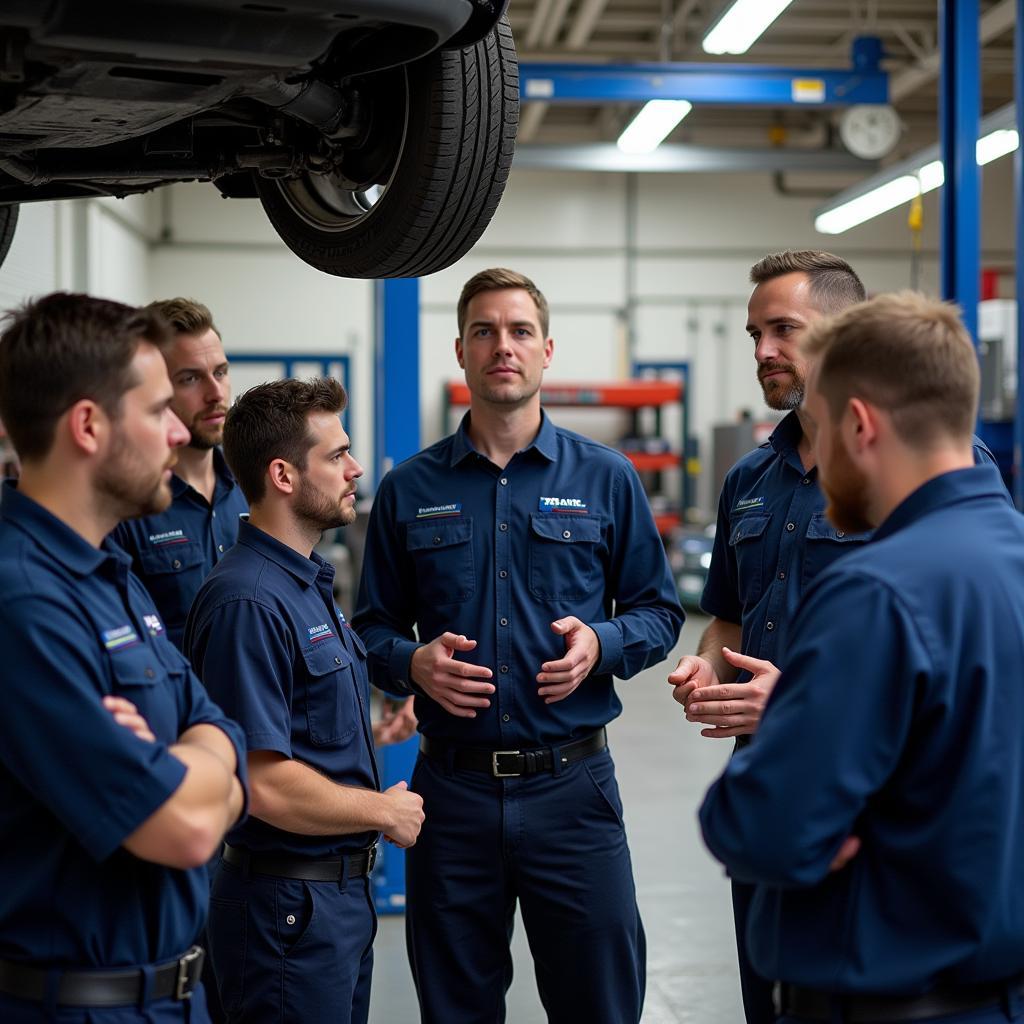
834	285
270	422
906	354
186	316
61	349
495	279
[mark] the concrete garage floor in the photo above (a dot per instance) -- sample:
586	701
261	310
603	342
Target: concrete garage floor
664	766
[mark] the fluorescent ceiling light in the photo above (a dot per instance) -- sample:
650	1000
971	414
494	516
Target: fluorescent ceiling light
651	126
911	177
871	204
737	29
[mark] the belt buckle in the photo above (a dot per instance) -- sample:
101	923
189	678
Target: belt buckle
494	764
194	955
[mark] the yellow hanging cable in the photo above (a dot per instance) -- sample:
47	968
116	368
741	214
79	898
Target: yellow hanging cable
915	221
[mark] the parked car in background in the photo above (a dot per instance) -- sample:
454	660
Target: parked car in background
689	555
377	134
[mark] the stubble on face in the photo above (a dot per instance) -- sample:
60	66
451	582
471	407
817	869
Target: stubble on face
319	510
203	437
132	488
845	487
781	394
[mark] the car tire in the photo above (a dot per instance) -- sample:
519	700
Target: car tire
8	222
460	119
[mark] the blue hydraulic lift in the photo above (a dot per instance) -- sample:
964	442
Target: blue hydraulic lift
1018	191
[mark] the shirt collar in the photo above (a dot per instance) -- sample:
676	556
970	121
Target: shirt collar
53	535
305	570
545	443
225	478
950	488
785	438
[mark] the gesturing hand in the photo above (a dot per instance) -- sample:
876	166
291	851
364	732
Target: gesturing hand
692	673
733	709
406	814
127	714
456	686
397	723
582	650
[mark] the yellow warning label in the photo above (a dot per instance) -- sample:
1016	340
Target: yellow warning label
808	90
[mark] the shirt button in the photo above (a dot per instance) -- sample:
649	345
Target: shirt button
840	533
806	480
437	540
176	563
214	513
791	527
337	660
290	919
220	548
506	718
566	534
503	573
782	575
504	481
769	625
504	669
504	622
503	526
150	674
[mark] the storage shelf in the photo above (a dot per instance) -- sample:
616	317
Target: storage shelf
633	394
653	461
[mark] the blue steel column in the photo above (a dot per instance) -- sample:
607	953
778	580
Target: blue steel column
396	420
1018	193
959	113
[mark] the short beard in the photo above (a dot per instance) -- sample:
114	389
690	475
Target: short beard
317	511
847	492
125	488
775	396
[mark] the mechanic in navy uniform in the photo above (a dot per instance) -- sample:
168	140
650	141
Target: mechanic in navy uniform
292	918
118	775
527	559
772	538
174	551
880	811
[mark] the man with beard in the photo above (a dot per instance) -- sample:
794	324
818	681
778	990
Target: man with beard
773	538
292	919
527	559
880	812
119	775
174	551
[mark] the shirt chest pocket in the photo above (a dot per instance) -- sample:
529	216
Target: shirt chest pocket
825	544
747	541
563	556
443	555
173	575
139	676
332	708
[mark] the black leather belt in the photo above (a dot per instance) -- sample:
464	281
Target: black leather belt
174	980
504	764
355	865
810	1004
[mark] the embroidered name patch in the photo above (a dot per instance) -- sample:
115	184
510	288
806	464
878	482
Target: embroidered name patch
440	511
321	632
562	505
123	636
161	540
749	503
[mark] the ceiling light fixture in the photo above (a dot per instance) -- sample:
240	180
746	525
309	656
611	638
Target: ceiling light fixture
652	125
921	173
742	24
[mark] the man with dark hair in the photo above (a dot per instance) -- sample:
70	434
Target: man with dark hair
880	812
174	551
292	920
119	775
526	560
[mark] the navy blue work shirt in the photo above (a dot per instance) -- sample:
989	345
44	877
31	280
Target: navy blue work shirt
772	540
173	551
273	649
455	543
898	719
75	626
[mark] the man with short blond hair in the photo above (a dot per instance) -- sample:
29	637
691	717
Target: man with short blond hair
880	812
174	551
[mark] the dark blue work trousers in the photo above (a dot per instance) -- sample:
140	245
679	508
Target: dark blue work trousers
554	842
160	1011
758	1007
291	952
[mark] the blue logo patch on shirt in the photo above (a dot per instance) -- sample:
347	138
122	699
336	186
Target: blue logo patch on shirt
748	504
440	511
321	632
116	639
560	505
162	540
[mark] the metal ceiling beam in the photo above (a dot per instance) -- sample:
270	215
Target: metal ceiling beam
586	18
701	83
993	23
679	158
